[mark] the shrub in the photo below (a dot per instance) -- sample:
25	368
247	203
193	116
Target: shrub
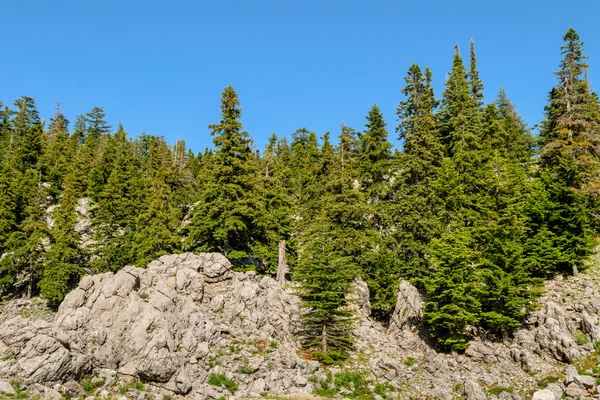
409	362
221	380
143	295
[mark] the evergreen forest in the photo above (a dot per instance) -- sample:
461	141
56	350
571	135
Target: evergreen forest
469	204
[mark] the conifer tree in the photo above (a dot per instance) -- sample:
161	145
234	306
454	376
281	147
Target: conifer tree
416	206
114	213
458	117
62	263
9	182
326	277
22	266
375	153
569	162
226	218
475	82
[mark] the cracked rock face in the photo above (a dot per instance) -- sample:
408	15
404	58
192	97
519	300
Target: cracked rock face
175	322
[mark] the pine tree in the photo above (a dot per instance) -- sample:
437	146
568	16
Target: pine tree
114	213
276	218
569	163
475	82
416	206
326	276
156	227
226	218
375	152
62	263
9	181
458	117
96	123
21	267
455	287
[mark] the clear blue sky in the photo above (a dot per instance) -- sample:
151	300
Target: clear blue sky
160	66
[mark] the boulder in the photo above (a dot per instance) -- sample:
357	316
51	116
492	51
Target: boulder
545	394
473	391
6	388
409	309
572	390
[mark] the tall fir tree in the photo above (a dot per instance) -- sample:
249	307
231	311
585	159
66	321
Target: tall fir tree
416	206
569	166
64	259
225	220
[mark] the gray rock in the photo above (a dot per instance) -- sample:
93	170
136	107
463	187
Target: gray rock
6	387
574	391
556	390
360	296
545	394
44	392
585	381
571	375
409	309
473	391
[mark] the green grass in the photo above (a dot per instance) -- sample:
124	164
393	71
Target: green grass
409	362
143	295
496	390
382	388
90	386
19	393
245	370
221	380
135	384
543	383
353	381
580	338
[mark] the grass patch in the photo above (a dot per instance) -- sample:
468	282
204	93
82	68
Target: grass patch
90	385
496	390
245	370
221	380
354	382
19	393
409	362
543	383
134	384
382	389
580	338
143	295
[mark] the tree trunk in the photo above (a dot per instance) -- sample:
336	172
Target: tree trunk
324	347
281	265
575	270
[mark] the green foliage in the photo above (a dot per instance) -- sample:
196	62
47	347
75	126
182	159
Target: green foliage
221	380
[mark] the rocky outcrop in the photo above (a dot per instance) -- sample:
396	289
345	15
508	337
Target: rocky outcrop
409	310
187	319
172	324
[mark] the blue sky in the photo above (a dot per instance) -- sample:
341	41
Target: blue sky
160	66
